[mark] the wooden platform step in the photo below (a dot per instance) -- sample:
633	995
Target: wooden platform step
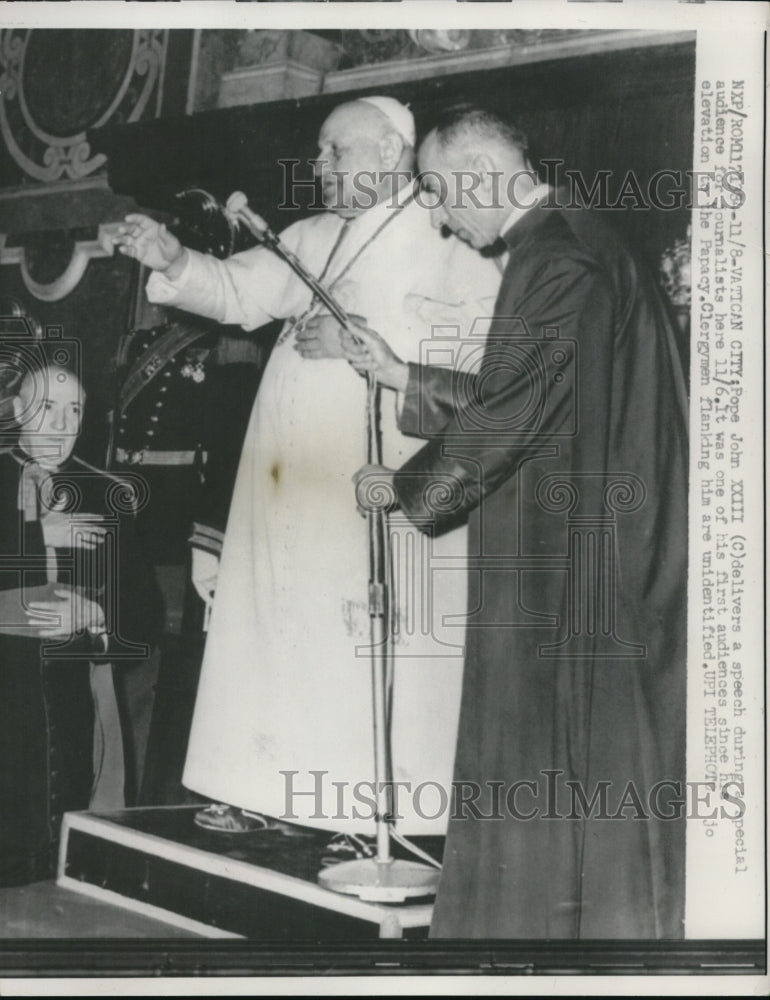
261	885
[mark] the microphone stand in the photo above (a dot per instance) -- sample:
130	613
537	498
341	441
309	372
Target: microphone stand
381	878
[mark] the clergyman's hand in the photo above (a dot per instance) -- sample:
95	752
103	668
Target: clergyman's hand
151	244
375	491
367	352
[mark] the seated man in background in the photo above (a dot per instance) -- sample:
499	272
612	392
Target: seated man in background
74	599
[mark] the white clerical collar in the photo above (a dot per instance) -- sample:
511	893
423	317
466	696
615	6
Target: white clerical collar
536	195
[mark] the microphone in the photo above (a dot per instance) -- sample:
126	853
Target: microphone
238	207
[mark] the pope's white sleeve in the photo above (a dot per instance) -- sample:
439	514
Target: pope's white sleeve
249	289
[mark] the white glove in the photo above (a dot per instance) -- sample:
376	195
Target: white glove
205	570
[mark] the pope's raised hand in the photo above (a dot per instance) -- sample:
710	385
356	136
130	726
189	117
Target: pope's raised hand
150	243
374	488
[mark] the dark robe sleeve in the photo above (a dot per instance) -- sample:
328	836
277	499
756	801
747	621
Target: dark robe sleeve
430	398
478	448
11	527
117	575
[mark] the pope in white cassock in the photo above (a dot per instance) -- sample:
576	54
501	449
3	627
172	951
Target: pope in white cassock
283	718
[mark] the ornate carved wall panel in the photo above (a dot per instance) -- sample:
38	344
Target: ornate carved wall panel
57	84
72	265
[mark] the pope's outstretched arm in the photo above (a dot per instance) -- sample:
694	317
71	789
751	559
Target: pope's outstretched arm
249	289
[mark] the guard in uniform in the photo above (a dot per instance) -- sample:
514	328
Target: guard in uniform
181	415
186	394
160	431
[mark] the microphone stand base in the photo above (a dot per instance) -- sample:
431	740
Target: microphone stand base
381	881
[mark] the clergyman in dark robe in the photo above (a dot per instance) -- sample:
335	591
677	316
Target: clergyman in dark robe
567	451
